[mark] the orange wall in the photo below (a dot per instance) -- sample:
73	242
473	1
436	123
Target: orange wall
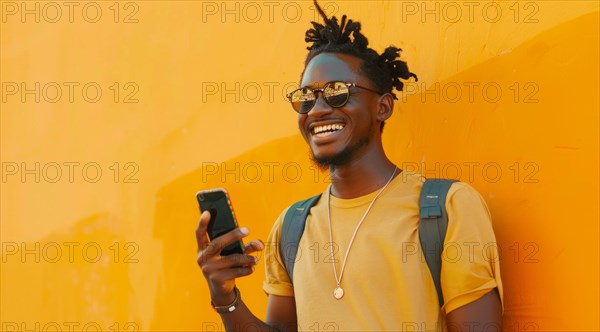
508	87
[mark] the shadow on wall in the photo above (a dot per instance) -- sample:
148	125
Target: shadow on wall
67	275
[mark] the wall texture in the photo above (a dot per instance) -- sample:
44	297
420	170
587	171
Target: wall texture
115	113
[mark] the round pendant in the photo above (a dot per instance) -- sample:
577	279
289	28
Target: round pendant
338	292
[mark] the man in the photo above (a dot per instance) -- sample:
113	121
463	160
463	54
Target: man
360	271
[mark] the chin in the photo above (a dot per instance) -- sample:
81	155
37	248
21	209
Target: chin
327	157
324	153
325	161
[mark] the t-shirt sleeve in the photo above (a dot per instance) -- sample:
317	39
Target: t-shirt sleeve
470	260
277	281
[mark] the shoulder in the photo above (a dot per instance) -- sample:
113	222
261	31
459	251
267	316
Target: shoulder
458	192
462	194
464	204
415	181
468	214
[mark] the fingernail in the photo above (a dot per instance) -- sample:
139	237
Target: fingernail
244	230
255	259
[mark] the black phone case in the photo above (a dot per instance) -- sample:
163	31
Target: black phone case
222	217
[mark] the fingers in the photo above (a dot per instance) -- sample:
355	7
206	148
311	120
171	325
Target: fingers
236	260
236	264
221	271
253	246
215	246
231	274
212	251
201	237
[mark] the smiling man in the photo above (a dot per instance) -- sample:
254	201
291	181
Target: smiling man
361	270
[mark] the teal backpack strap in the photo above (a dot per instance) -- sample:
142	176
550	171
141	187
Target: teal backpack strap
433	225
291	232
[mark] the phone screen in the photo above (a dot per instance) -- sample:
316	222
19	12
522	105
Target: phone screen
222	218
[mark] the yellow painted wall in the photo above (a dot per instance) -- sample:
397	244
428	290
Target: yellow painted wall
192	98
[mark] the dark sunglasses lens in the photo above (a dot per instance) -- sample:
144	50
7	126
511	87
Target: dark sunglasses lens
302	100
336	94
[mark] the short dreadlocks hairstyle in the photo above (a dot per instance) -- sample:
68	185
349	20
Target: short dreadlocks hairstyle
383	70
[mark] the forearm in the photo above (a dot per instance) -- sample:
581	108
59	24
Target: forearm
242	319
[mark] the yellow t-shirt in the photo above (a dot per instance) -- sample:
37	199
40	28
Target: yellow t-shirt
386	281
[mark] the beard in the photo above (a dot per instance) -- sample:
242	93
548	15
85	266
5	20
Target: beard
343	157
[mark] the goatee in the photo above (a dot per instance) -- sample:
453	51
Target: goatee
340	159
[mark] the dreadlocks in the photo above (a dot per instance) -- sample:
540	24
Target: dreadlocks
384	71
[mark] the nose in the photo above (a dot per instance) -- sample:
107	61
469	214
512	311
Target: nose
321	107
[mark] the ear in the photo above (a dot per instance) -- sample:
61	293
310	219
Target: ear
385	107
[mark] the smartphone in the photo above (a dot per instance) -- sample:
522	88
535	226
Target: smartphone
222	218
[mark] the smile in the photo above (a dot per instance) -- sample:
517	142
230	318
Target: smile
326	130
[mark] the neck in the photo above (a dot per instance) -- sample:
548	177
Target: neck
361	176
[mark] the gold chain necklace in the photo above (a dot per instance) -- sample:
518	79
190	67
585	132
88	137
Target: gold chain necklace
338	292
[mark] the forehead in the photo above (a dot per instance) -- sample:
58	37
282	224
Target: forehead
327	67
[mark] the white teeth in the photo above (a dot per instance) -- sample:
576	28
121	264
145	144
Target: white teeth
327	133
327	128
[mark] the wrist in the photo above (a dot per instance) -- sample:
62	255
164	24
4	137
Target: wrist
226	303
222	299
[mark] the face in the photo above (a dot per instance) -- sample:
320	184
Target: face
338	135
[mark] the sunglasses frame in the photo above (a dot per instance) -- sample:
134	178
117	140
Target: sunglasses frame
314	91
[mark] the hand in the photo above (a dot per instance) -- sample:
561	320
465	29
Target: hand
220	271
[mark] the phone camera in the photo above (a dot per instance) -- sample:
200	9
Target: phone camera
201	197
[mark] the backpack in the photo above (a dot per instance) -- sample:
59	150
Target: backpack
432	228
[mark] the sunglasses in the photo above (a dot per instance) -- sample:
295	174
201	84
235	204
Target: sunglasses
335	94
